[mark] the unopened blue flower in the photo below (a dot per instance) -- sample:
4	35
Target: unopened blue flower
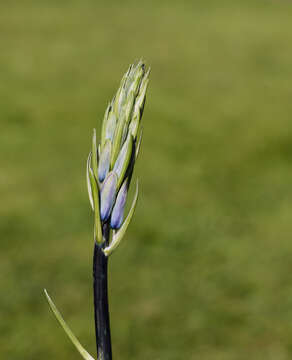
117	216
107	195
104	161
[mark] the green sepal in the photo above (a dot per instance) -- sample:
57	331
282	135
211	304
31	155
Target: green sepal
67	330
95	197
94	159
119	234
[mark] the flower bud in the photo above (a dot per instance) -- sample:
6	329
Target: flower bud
107	195
119	207
104	161
110	126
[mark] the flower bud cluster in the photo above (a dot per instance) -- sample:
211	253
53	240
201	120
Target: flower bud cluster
110	164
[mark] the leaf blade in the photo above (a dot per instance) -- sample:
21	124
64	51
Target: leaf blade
67	330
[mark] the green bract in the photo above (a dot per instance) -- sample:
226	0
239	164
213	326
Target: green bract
111	163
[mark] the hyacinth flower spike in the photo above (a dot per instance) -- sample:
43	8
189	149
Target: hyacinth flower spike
110	166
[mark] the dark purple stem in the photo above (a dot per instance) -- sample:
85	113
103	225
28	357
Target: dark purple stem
101	311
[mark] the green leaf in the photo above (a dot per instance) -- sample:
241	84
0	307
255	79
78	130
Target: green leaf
118	235
67	330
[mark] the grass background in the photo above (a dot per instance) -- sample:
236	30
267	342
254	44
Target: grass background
205	269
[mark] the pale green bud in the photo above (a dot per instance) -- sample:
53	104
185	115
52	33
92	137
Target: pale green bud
123	160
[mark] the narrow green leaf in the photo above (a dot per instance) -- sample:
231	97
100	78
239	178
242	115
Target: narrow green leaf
67	330
118	235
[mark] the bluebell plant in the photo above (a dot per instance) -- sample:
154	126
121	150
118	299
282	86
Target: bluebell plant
109	170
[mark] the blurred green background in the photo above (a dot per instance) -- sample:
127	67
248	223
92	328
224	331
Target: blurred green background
205	271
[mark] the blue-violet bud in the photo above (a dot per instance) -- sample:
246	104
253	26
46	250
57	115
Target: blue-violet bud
107	195
119	207
104	161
